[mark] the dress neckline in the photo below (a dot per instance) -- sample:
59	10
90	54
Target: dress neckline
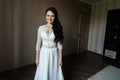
49	30
49	27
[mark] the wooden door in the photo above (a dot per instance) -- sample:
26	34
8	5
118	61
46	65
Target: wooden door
78	34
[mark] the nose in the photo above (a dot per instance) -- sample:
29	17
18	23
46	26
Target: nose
50	18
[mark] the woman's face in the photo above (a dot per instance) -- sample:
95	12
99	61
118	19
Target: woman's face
50	16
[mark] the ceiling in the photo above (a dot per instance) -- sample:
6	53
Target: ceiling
93	1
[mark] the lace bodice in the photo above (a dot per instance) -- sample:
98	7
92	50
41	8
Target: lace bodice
45	37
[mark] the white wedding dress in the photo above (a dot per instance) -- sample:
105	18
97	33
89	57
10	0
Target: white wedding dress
48	68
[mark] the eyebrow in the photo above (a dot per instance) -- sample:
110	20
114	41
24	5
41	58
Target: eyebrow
51	15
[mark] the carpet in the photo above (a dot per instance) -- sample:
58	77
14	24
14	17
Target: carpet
108	73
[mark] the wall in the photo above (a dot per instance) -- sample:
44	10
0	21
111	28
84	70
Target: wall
6	32
98	24
19	21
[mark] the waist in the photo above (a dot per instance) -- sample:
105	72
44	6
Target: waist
49	46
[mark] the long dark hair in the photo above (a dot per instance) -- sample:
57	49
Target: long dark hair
57	27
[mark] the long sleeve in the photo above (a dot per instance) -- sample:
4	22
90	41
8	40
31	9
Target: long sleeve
59	45
38	42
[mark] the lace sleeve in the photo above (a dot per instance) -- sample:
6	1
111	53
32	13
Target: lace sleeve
59	45
38	42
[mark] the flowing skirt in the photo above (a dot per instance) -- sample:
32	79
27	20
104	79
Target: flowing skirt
49	68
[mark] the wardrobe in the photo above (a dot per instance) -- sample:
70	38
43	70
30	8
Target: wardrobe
111	49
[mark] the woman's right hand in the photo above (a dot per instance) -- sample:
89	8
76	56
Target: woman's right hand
37	62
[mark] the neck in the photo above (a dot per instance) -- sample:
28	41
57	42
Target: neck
49	25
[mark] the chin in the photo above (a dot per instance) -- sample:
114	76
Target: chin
50	22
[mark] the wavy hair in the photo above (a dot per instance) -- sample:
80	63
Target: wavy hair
57	27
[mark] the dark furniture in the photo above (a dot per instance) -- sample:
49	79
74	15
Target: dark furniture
112	36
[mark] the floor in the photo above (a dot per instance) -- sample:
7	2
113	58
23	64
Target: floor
108	73
75	67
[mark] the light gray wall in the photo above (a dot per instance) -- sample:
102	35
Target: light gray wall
98	24
19	21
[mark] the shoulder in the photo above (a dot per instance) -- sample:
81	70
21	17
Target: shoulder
41	27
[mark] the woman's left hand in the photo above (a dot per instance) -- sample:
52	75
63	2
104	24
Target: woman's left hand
60	62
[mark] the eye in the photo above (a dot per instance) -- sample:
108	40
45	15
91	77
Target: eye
47	15
52	15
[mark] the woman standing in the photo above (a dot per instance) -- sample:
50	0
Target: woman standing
49	48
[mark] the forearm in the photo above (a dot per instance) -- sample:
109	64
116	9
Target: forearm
37	54
60	54
37	57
